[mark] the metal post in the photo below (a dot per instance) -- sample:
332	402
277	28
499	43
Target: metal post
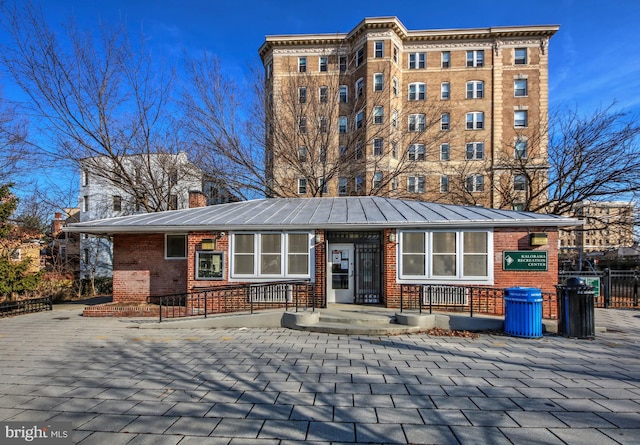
160	321
636	282
471	301
607	288
401	297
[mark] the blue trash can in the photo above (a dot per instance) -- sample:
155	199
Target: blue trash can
523	312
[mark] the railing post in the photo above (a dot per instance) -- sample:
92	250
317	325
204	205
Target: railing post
250	298
206	297
160	320
401	297
471	300
607	288
636	282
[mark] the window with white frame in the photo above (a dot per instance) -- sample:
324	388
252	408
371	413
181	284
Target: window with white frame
377	180
396	87
394	183
359	87
415	184
378	114
359	119
416	152
394	118
323	124
445	152
343	124
302	186
520	119
520	149
417	91
417	122
474	183
323	94
302	95
342	64
378	49
445	59
302	64
323	63
343	94
342	186
417	60
378	82
117	203
520	183
445	91
475	120
520	88
302	125
269	70
358	150
394	149
445	121
274	255
302	154
378	146
360	56
475	89
85	177
520	56
343	151
475	151
444	184
396	54
359	184
323	185
85	203
323	153
475	58
448	254
175	246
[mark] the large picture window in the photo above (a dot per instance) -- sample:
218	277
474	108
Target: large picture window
270	255
445	256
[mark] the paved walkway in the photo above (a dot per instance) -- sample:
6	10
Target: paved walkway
121	385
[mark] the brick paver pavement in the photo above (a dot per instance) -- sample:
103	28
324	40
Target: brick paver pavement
121	385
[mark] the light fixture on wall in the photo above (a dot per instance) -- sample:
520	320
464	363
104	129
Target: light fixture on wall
392	237
318	238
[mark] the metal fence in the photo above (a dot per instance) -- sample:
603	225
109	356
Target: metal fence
238	298
613	288
464	299
28	306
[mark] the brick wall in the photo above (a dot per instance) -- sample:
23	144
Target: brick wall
389	263
140	269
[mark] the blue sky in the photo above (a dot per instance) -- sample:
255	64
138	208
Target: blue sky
594	58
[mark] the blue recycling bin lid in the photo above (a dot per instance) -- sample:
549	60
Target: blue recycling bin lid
523	293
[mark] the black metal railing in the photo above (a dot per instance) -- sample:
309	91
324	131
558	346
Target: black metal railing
465	299
28	306
238	298
616	289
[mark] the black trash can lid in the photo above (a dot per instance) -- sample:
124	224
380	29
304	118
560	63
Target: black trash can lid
575	282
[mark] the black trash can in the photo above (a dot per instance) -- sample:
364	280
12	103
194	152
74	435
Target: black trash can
576	313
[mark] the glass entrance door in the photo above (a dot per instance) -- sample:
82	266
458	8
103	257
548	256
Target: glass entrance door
340	273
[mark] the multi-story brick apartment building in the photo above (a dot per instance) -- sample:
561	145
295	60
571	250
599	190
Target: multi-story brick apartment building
454	116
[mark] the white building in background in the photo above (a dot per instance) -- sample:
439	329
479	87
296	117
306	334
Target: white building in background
139	182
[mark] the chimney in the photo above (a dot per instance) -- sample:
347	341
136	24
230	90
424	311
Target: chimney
197	199
56	224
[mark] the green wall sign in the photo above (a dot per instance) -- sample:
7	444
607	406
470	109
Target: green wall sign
525	260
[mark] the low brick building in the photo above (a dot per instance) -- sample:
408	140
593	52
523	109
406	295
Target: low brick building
354	249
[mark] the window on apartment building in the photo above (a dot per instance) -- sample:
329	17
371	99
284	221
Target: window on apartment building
323	94
359	87
520	119
323	63
520	183
378	146
396	54
417	91
444	184
378	49
302	186
445	121
520	88
415	184
358	150
302	125
378	114
342	186
417	122
173	177
394	149
417	60
445	59
520	56
85	177
343	94
359	184
474	151
394	183
117	203
394	118
302	154
416	152
475	89
270	255
343	151
342	64
302	64
359	119
475	58
323	185
173	202
323	124
396	87
360	56
343	124
474	183
377	180
445	91
475	120
445	152
520	149
302	95
269	70
175	246
85	203
378	82
323	153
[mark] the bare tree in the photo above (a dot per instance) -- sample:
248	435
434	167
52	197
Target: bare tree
15	154
101	100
